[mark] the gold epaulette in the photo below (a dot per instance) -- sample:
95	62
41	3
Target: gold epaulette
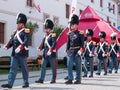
27	30
53	34
81	31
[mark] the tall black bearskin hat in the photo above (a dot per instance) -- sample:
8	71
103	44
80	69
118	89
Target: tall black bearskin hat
21	18
48	24
74	19
113	36
102	34
89	32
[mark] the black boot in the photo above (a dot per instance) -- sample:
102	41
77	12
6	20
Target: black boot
110	72
105	73
77	82
66	78
26	85
53	81
39	81
84	75
116	72
6	86
97	73
69	82
90	76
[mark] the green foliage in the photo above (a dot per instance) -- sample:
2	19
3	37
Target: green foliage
57	30
32	26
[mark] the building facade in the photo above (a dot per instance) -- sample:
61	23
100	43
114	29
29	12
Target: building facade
118	12
57	10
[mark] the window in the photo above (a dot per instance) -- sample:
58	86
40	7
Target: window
56	21
110	22
119	10
108	19
2	32
114	24
109	6
67	10
92	1
29	3
80	12
113	9
101	3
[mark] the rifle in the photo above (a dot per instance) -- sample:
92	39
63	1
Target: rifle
8	43
41	45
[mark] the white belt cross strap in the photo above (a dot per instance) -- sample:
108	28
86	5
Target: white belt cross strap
101	47
17	33
19	39
46	42
88	46
112	48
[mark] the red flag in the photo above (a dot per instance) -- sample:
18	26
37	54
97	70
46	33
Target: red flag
62	39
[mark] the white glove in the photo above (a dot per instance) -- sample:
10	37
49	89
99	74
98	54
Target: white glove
79	53
91	54
104	54
49	53
19	48
117	54
83	62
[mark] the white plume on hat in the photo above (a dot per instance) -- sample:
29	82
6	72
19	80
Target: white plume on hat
45	21
17	14
113	34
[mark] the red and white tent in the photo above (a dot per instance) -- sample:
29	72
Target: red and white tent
89	19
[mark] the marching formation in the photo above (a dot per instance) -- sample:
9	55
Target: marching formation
79	49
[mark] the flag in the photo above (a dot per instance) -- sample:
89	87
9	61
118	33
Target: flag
73	8
37	7
62	39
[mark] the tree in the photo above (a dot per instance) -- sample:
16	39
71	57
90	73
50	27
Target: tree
57	30
32	26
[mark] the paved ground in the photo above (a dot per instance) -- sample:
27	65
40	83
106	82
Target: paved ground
109	82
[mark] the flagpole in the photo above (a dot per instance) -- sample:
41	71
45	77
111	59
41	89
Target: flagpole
67	29
72	11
